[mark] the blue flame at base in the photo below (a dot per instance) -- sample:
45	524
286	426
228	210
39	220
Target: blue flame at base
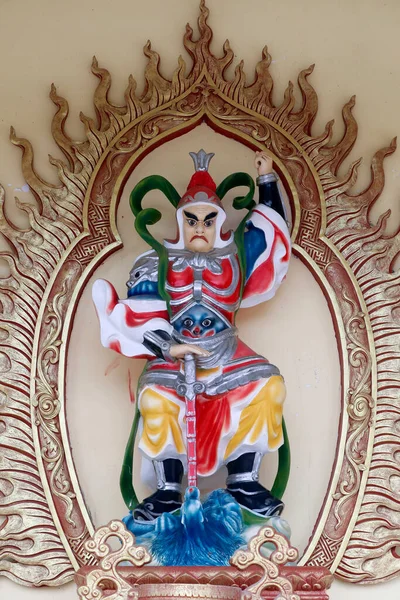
203	534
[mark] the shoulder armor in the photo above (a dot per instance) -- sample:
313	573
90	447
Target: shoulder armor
145	268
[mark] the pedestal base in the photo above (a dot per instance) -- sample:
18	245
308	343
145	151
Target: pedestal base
251	576
211	583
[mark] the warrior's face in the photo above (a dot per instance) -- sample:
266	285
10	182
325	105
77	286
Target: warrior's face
199	230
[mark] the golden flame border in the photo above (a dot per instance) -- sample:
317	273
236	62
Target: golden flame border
73	228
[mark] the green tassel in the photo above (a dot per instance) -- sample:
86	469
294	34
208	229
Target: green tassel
126	477
151	216
144	218
247	201
282	476
148	184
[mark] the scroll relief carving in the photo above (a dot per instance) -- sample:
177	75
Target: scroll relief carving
45	523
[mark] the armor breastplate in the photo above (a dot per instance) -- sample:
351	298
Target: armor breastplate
211	279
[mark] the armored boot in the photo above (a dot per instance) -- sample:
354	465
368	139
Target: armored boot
242	484
168	496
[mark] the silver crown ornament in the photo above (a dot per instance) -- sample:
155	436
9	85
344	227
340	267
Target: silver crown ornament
201	159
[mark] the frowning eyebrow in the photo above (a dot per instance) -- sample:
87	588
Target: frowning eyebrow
190	215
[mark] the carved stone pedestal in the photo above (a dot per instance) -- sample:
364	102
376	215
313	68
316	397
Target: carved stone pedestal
252	576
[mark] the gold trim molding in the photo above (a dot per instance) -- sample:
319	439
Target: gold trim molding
72	229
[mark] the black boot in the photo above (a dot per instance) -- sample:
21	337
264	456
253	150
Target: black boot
168	496
242	484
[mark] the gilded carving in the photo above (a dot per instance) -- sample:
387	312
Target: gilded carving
271	577
107	569
72	229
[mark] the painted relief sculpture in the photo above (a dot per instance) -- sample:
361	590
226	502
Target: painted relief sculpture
47	529
223	404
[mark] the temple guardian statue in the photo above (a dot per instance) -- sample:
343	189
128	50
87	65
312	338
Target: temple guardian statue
182	299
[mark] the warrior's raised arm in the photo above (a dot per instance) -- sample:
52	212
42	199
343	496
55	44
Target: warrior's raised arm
268	191
266	239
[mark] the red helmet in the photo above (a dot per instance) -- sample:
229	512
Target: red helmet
201	190
201	186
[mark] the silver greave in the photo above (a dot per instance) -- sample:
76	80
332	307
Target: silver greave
249	475
162	483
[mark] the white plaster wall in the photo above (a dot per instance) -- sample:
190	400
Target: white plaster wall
355	47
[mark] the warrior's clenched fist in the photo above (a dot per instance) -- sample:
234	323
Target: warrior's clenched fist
263	163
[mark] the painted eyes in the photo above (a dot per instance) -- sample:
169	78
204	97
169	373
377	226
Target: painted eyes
206	322
189	322
137	274
194	223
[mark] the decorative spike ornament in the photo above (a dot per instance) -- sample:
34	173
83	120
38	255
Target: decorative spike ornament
201	159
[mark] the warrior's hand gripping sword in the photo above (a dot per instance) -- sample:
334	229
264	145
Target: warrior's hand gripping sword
189	389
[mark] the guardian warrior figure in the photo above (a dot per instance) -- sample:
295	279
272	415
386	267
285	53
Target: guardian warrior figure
183	296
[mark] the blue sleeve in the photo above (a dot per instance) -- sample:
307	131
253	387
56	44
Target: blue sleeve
254	246
145	289
270	196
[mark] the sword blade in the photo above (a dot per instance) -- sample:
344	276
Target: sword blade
190	397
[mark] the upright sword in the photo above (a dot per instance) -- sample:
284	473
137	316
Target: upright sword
190	388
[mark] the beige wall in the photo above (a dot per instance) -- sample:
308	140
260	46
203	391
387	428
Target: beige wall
355	48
